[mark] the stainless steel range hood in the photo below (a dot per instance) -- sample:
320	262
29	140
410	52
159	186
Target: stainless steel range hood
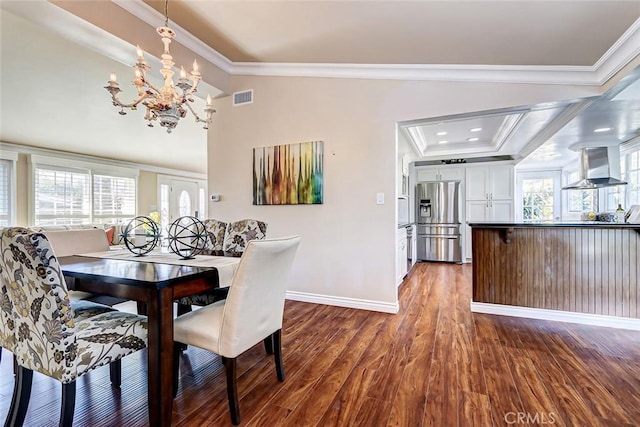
599	167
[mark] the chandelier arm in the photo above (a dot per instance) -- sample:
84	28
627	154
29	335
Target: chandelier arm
152	87
116	101
198	119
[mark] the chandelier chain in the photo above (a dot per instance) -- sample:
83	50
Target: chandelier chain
166	13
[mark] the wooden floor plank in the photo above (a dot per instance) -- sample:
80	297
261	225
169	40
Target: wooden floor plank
435	363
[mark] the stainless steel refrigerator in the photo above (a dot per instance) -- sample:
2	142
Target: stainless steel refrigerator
438	221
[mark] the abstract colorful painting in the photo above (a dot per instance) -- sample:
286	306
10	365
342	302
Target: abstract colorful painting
288	174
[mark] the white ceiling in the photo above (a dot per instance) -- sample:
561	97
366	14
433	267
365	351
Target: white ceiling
52	78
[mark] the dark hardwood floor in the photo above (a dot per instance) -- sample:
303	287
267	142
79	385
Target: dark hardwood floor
433	364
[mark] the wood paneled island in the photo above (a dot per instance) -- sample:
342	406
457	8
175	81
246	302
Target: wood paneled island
587	267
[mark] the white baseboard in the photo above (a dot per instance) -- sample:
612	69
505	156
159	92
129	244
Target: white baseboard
344	302
556	315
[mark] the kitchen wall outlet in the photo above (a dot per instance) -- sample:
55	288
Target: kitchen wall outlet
380	198
215	197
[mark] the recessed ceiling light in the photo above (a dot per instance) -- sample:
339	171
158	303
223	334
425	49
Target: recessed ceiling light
554	155
602	130
473	139
441	133
476	129
442	142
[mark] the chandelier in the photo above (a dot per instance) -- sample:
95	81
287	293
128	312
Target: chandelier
166	104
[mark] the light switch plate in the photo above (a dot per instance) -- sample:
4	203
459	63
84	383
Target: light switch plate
380	198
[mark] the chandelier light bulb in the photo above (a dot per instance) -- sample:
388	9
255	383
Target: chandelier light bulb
170	102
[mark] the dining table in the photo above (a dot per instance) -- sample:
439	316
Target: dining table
155	281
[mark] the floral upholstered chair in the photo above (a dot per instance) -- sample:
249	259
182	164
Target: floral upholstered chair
48	336
215	230
236	237
7	337
239	233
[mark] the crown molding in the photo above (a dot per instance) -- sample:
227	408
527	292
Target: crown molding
574	75
622	52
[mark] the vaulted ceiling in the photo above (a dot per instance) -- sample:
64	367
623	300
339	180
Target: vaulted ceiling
56	57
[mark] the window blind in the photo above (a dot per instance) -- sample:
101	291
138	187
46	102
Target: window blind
61	197
114	198
5	192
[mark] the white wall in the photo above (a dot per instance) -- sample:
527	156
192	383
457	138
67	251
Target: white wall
347	254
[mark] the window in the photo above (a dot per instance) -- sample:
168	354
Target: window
72	192
537	199
114	198
5	192
61	197
201	203
632	176
580	200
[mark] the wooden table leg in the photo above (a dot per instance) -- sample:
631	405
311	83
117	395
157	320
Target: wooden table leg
160	315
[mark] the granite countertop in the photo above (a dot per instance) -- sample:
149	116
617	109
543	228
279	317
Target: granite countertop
584	224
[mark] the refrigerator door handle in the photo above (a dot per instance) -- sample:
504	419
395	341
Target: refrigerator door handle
439	236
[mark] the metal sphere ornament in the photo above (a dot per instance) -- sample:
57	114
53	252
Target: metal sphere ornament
187	237
141	235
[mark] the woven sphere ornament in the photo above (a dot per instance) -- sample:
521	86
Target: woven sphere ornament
141	235
187	237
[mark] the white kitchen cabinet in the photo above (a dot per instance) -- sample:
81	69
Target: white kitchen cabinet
403	175
453	173
401	255
494	182
486	211
489	196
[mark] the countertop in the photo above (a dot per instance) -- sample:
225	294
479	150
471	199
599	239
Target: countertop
582	224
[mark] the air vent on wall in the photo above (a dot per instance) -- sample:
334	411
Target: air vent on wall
242	98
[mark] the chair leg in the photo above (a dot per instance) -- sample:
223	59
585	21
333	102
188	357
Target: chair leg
183	309
232	389
277	354
268	344
115	372
20	399
177	350
68	404
142	308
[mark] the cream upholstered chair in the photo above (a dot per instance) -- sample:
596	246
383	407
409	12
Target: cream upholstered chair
251	313
231	240
48	336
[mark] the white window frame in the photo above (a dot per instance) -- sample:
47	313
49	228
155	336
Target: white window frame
555	174
602	193
65	164
12	158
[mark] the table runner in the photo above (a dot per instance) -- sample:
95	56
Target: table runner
226	266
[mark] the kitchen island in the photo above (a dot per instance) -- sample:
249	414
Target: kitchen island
574	271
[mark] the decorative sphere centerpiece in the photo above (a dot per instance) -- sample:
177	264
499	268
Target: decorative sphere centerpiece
141	235
187	237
